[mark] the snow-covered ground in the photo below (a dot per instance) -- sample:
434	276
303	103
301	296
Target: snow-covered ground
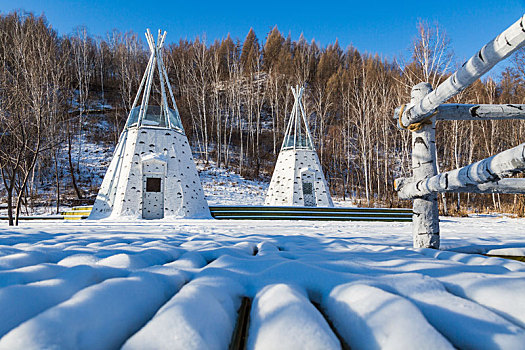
223	187
94	285
159	284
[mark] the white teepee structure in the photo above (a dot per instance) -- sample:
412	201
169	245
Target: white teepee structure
298	179
152	174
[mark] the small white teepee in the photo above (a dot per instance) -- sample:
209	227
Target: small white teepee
298	179
152	174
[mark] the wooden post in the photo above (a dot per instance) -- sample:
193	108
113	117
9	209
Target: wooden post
425	220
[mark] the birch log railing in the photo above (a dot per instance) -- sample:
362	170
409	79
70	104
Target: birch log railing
420	116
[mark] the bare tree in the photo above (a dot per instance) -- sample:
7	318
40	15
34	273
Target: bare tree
432	55
30	59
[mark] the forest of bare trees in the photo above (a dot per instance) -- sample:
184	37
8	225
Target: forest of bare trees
234	97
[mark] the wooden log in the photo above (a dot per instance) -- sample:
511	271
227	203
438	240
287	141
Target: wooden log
425	219
495	51
240	333
489	170
503	186
512	186
456	111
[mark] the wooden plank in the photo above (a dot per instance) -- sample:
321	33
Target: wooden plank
511	257
78	212
36	217
75	217
292	214
308	209
313	218
304	210
216	208
240	332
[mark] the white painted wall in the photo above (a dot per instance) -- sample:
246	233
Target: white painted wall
121	192
286	185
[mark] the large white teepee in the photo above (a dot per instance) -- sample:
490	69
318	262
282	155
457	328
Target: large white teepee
298	179
152	174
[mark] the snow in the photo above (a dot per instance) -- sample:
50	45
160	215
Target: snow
360	311
200	316
21	302
223	187
157	284
284	318
450	313
29	274
112	310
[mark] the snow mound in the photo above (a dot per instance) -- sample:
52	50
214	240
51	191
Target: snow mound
371	318
312	285
200	316
284	318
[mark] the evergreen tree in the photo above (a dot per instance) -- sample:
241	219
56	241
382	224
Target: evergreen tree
285	61
250	52
272	49
227	56
329	62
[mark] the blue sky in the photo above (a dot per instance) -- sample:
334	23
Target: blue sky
383	27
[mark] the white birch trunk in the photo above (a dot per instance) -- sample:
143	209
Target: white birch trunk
511	186
467	178
425	220
508	186
480	112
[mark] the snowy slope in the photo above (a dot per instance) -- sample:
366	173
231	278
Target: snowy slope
162	285
223	187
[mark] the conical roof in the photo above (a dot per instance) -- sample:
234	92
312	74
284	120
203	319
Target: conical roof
297	135
145	115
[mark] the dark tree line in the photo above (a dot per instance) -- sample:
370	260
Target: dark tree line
234	98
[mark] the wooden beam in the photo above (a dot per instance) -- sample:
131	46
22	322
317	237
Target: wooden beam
489	170
456	111
503	186
425	219
495	51
512	186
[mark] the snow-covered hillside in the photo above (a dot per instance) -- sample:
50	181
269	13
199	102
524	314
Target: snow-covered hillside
94	285
220	185
223	187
